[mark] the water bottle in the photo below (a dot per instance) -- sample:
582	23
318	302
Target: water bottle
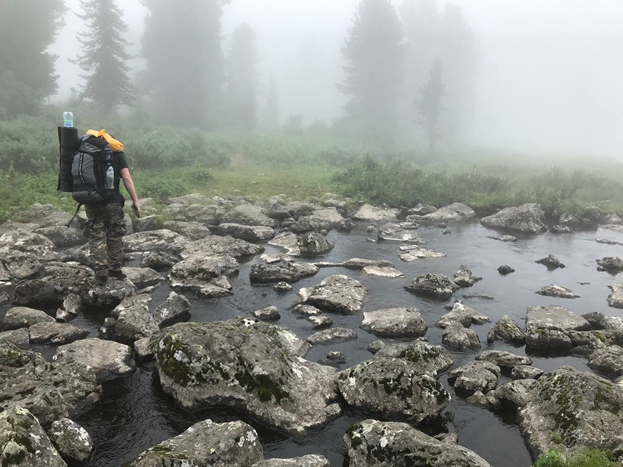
68	119
110	178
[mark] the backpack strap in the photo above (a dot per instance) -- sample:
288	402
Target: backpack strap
76	213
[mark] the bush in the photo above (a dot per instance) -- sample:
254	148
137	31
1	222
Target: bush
585	458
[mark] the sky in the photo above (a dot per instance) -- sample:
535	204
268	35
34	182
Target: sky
549	76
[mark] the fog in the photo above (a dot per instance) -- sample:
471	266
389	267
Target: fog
547	74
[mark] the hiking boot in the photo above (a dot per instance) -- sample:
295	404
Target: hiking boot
101	277
117	274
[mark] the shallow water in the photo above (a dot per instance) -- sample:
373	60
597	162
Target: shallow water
135	414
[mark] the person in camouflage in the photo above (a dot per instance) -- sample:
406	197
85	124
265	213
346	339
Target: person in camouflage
106	227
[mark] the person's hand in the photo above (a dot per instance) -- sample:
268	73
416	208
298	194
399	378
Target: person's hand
137	210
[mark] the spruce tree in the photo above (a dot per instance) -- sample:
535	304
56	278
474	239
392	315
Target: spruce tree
242	79
430	105
374	52
27	75
271	106
104	55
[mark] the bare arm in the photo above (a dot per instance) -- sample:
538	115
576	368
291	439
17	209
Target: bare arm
129	185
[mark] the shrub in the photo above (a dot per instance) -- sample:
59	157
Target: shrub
585	458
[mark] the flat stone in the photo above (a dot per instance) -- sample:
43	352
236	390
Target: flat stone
557	291
452	213
427	358
306	310
72	441
338	293
413	253
390	273
249	233
463	315
371	213
287	241
288	271
475	376
546	327
332	336
190	230
436	285
395	322
19	337
23	317
55	333
247	214
505	238
405	232
504	359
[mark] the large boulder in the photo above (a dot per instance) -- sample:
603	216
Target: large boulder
62	236
547	328
46	215
110	295
134	320
570	410
28	242
222	246
452	213
18	265
72	441
615	299
248	365
206	275
313	244
55	333
371	213
247	214
427	358
250	233
528	218
190	230
107	359
285	271
155	240
310	460
23	442
309	224
393	388
475	376
434	285
207	444
23	317
395	322
338	293
372	443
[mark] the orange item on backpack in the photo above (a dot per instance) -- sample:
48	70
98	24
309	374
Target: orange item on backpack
116	146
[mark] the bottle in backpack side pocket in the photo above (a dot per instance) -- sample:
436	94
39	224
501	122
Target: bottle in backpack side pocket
110	177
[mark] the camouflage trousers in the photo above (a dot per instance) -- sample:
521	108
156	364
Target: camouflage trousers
105	235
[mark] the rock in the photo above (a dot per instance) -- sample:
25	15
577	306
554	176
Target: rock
371	213
450	438
282	287
570	410
45	215
606	241
55	333
143	277
306	310
361	264
245	232
155	240
288	241
504	359
72	441
313	244
159	260
143	350
22	317
336	356
462	314
615	299
24	442
395	322
310	460
610	264
427	358
375	347
62	236
134	320
452	213
505	238
514	393
207	444
282	272
557	291
332	336
458	337
307	224
174	307
19	337
505	270
18	265
111	294
338	293
147	223
421	210
475	376
107	359
194	198
413	253
247	214
320	322
546	327
608	360
569	220
207	275
71	308
393	388
596	320
528	219
250	366
551	262
391	273
507	330
379	444
204	214
465	278
330	215
405	232
436	285
267	314
526	372
28	242
560	229
190	230
221	246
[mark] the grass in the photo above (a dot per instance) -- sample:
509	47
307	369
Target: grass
585	458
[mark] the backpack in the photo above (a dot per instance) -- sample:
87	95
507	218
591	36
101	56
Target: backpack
89	166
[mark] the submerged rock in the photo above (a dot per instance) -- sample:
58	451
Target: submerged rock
436	285
528	218
551	262
427	358
452	213
507	330
373	443
393	388
505	270
338	293
395	322
248	365
206	443
287	271
475	376
615	299
282	287
72	441
557	291
462	314
465	278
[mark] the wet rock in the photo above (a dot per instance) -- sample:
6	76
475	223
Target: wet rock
458	337
405	232
28	242
143	350
570	410
390	273
206	443
606	241
462	314
371	213
475	376
250	366
107	359
336	355
282	287
174	307
504	359
245	232
413	253
71	308
608	360
72	441
546	327
332	336
560	229
338	293
159	260
307	224
134	320
393	388
450	438
23	441
507	330
421	210
436	285
55	333
62	236
110	295
320	322
505	270
557	291
395	322
19	337
569	220
267	314
505	238
528	218
221	246
526	372
155	240
615	299
372	443
596	320
313	244
207	275
143	277
375	347
427	358
452	213
551	262
360	264
288	241
282	272
247	214
310	460
190	230
465	278
22	317
514	393
610	264
18	265
306	310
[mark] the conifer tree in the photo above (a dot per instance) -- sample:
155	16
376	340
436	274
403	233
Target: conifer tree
430	105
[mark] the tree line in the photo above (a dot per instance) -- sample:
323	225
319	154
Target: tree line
404	68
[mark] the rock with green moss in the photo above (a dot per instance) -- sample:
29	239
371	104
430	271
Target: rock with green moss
508	330
12	356
205	444
428	358
434	285
393	388
339	294
475	376
570	410
372	443
311	460
248	365
23	443
72	441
